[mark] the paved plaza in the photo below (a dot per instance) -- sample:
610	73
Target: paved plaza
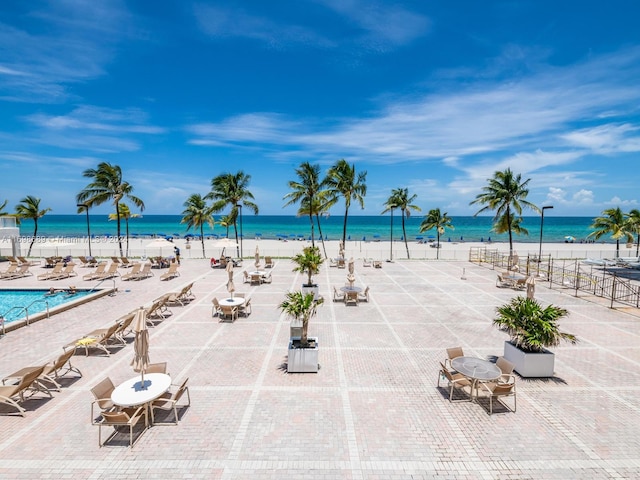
373	411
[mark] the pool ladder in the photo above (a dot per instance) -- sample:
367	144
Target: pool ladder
22	308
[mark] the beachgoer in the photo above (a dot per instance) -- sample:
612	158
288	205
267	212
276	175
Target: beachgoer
72	290
176	251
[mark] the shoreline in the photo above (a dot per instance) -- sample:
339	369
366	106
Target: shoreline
377	250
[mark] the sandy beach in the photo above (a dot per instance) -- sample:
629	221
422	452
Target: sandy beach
377	250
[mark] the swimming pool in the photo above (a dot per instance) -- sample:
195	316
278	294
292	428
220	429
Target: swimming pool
18	305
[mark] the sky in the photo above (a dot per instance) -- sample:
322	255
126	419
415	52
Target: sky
426	95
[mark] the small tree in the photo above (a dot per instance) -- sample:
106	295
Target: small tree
439	221
309	262
301	306
531	327
29	207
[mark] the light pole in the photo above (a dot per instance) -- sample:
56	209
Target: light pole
391	228
86	209
541	227
241	251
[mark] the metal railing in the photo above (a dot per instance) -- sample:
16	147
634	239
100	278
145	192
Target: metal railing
21	308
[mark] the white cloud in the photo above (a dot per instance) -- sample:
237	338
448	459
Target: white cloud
583	197
606	139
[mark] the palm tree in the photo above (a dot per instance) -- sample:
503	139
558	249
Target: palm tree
2	207
196	214
107	185
633	217
502	224
400	199
439	221
225	221
317	208
342	181
612	222
231	189
126	214
304	190
29	207
504	193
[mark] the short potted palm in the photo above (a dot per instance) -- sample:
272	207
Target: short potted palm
532	329
303	351
308	262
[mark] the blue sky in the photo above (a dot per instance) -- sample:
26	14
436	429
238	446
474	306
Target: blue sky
432	96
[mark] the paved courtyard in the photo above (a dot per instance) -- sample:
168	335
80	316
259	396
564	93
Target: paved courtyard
373	411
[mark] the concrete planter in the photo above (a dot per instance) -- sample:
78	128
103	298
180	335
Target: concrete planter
295	329
311	289
530	365
303	360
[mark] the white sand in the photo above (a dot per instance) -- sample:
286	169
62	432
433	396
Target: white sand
106	247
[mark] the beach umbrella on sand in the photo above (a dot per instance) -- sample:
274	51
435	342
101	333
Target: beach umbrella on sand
160	243
140	360
531	287
257	257
230	286
224	243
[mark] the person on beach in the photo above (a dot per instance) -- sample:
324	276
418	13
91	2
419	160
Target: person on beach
176	251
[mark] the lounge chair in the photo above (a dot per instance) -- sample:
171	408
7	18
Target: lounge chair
10	271
50	262
115	260
364	296
23	271
145	272
59	368
338	296
126	263
96	273
12	259
500	389
67	272
102	398
455	380
245	308
182	297
87	262
158	309
268	262
13	395
110	273
99	338
169	401
57	270
133	273
171	273
25	261
128	417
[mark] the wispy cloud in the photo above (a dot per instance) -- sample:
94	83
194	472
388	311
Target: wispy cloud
94	129
68	41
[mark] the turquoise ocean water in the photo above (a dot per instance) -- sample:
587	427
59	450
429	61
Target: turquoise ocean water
278	226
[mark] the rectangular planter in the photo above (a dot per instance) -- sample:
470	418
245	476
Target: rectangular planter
303	360
530	365
295	329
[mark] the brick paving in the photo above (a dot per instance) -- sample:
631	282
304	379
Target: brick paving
372	412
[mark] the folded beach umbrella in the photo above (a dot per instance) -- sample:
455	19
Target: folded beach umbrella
530	282
140	360
230	286
351	265
257	257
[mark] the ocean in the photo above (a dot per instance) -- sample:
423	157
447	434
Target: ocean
375	227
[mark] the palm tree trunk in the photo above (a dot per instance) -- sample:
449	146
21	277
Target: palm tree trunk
202	239
35	232
638	246
344	227
617	248
126	223
321	237
510	234
404	234
311	220
119	230
437	244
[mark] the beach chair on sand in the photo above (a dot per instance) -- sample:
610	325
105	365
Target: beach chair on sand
182	297
25	261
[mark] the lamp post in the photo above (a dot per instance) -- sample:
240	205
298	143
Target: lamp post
541	227
391	228
241	251
86	209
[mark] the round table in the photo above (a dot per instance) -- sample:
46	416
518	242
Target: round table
132	393
477	370
347	289
232	302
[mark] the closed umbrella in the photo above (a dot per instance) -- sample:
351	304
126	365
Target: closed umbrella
257	257
531	287
351	266
141	344
230	286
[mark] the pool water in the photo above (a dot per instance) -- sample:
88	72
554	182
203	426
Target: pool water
35	300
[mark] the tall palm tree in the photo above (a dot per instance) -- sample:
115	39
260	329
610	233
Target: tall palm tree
612	222
505	192
316	208
29	207
231	189
196	214
439	221
107	185
342	181
304	190
502	224
125	213
401	199
633	217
